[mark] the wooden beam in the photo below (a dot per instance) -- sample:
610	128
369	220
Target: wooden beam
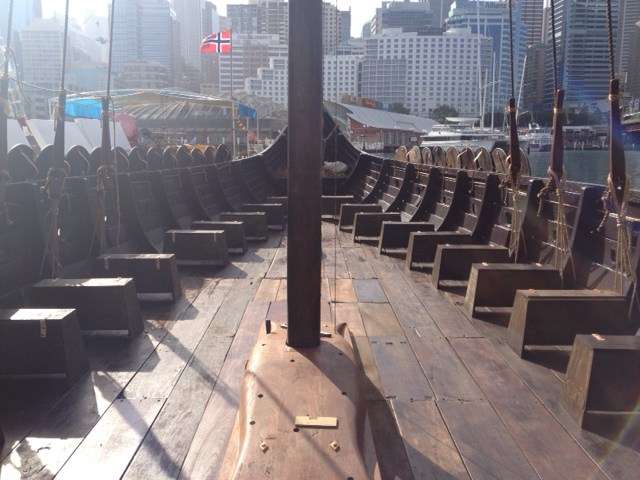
305	163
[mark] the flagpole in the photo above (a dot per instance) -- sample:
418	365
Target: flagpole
233	103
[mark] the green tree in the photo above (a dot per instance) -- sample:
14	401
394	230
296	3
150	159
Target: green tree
399	108
441	112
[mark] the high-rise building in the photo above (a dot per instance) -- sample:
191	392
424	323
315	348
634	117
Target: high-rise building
629	16
407	16
425	71
532	18
336	27
142	32
439	11
189	16
243	18
210	24
633	80
493	19
24	11
42	44
260	16
583	46
250	52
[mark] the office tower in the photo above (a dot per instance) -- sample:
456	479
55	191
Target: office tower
629	16
407	16
493	19
189	16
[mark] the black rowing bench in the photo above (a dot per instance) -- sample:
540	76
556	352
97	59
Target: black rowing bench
602	391
41	343
155	274
103	305
197	247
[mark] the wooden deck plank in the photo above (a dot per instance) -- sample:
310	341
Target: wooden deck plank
166	443
449	319
372	388
108	449
358	264
369	291
158	374
282	292
206	452
52	434
349	314
430	449
446	374
400	373
619	457
278	268
487	448
544	441
268	290
392	457
342	290
380	320
333	261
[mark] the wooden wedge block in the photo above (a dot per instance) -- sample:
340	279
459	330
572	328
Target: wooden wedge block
197	247
453	262
155	274
276	213
234	233
602	391
495	284
348	212
256	228
103	305
394	236
422	247
331	205
555	317
41	342
367	225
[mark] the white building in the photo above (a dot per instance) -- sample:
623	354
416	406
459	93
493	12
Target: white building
271	82
438	69
340	78
250	53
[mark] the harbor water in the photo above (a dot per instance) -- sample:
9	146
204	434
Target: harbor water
589	166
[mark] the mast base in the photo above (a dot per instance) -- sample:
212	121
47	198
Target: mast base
302	414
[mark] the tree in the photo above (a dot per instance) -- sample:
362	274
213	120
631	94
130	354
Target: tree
399	108
441	112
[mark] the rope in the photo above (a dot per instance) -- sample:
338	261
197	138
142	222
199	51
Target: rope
612	73
513	75
556	84
54	185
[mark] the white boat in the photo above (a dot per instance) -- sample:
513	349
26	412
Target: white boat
538	139
462	134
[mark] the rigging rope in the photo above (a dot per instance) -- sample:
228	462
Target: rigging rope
514	169
556	183
618	183
54	185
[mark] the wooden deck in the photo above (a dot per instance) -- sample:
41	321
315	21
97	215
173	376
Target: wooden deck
447	398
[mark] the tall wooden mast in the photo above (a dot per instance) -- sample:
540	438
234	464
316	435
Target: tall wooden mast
305	166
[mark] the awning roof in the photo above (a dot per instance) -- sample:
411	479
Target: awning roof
388	120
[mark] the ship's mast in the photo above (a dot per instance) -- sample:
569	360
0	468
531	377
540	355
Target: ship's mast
305	181
4	134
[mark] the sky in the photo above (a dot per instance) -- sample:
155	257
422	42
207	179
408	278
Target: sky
361	10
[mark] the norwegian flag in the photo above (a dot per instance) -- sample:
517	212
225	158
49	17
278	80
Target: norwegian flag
217	43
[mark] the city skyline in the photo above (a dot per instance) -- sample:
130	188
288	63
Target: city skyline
361	10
